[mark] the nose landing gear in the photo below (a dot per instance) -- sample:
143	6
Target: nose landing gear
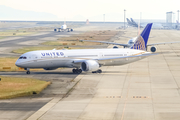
28	70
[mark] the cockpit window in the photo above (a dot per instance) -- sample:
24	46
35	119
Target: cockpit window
22	57
131	42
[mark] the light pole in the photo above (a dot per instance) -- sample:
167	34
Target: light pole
124	17
104	17
178	17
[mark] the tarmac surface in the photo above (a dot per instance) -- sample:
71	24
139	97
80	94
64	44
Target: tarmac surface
11	43
143	90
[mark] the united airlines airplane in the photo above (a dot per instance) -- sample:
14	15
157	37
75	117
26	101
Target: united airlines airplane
86	59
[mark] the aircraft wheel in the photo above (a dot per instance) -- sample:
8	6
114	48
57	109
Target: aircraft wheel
99	71
79	71
73	70
28	72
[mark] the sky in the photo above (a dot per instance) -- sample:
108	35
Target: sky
80	10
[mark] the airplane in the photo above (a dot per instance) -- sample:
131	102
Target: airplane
63	28
132	23
87	60
142	25
177	25
129	22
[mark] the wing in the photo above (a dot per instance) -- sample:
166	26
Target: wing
162	43
125	45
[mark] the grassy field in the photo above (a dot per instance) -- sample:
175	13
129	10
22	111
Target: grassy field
69	43
8	65
72	42
22	32
11	87
16	33
90	35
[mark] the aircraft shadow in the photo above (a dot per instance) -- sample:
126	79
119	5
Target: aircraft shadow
54	73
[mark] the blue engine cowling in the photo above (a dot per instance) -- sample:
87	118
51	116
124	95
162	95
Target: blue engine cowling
153	49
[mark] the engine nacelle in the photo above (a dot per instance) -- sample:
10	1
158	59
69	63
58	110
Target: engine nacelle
115	47
89	65
153	49
50	68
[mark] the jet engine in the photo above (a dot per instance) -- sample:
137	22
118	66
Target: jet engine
50	68
153	49
89	65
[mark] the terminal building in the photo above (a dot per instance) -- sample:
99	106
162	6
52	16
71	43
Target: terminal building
170	19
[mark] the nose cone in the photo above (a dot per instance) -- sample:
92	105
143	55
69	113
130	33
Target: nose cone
17	63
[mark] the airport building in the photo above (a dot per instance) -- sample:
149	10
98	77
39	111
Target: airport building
170	18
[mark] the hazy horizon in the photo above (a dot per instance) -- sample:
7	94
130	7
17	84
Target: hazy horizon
80	10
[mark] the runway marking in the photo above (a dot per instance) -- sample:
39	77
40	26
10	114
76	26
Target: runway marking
125	102
127	93
140	97
38	114
44	109
113	97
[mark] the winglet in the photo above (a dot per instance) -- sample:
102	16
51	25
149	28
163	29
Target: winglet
142	39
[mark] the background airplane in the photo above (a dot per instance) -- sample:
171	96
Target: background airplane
86	59
132	23
63	28
177	25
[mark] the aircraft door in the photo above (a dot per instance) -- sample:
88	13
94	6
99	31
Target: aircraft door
100	55
34	57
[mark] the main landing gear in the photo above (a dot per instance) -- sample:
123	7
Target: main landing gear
77	71
98	71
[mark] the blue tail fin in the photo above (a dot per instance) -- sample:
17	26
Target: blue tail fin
142	39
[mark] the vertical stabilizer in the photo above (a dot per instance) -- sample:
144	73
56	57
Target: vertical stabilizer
64	21
141	41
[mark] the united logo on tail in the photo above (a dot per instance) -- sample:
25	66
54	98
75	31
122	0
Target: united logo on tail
142	39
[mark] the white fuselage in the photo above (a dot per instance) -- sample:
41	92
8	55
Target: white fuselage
64	27
131	41
67	58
